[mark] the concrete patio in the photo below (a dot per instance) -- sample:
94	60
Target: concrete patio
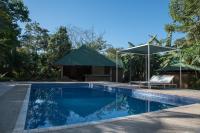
10	101
180	120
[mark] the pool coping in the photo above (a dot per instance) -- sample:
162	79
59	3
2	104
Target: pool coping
55	128
20	124
152	94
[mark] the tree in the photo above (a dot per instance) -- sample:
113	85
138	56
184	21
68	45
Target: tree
89	38
111	52
186	15
44	49
169	29
11	12
35	38
186	19
34	44
59	44
134	65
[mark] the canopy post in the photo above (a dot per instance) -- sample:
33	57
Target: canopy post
116	66
180	78
148	49
149	87
146	68
130	71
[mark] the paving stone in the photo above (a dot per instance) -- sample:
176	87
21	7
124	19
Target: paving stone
10	105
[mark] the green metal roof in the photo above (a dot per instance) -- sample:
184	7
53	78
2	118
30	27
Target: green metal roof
143	49
85	56
184	67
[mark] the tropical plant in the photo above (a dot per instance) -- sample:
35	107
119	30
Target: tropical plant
169	29
186	19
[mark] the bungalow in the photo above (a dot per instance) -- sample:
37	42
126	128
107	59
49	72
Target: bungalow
188	74
86	64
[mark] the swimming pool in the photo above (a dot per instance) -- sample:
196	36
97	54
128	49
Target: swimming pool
66	104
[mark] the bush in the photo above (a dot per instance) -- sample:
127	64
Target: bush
195	83
5	79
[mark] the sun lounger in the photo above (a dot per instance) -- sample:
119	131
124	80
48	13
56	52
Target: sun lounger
156	81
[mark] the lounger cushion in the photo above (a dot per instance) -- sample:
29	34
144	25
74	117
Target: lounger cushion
161	79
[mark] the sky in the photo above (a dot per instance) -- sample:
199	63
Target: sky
121	21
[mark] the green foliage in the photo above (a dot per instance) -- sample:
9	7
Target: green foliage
135	66
186	19
31	56
169	29
191	55
59	44
11	12
98	44
41	51
186	15
111	52
35	38
34	43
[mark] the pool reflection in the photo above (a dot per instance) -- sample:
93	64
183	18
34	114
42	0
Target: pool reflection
64	106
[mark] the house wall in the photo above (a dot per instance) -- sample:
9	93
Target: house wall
186	78
97	78
98	70
90	73
76	73
120	74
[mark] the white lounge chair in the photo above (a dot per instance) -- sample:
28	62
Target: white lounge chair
157	80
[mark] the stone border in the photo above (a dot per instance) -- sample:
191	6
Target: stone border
148	95
55	128
19	126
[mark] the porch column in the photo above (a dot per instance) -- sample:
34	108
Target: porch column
61	75
111	74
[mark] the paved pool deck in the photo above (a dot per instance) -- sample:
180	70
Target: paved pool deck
10	105
176	91
184	119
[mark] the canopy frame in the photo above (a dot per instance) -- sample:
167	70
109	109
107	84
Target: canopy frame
148	53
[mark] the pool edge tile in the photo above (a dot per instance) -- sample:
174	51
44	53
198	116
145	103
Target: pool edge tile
20	123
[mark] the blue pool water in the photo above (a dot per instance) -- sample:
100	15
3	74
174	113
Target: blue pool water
51	105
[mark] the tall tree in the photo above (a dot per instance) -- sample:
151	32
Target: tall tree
89	38
59	44
35	38
169	29
34	43
11	12
186	15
